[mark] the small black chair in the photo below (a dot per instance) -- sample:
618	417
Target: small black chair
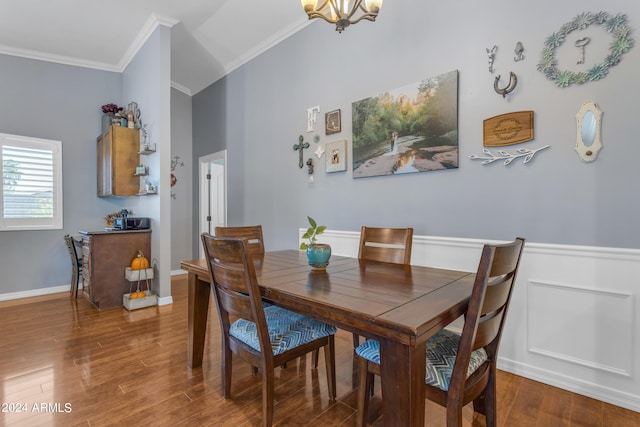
74	246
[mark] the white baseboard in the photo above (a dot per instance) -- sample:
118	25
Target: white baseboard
579	386
66	288
165	300
36	292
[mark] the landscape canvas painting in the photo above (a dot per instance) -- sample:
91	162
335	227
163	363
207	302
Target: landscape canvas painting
407	130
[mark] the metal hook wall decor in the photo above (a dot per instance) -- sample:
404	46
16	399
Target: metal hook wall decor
518	50
491	53
513	81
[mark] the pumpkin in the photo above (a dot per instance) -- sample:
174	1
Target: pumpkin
137	294
139	262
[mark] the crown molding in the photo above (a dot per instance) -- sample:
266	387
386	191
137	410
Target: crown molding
183	89
58	59
149	27
269	43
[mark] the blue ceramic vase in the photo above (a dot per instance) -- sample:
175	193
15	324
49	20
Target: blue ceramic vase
318	255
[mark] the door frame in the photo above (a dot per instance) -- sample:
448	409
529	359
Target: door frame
204	163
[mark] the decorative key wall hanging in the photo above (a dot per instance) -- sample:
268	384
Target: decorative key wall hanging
574	32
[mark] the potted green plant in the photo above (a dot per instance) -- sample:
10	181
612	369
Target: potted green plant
318	254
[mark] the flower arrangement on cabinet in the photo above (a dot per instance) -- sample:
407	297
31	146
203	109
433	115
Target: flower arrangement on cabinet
111	108
111	114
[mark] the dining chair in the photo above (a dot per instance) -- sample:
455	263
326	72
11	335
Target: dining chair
252	232
392	245
386	244
75	252
461	368
264	336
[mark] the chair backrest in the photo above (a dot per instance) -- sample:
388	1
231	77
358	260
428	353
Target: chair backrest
73	252
253	233
487	310
235	286
391	245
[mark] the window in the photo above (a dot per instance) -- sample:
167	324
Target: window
31	195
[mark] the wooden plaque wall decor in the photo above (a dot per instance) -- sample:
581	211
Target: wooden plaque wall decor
508	129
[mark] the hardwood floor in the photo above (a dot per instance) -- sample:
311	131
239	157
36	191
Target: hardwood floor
63	363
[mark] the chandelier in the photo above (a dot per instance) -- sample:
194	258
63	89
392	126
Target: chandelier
342	12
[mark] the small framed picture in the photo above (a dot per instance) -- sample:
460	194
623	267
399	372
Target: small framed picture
333	122
336	156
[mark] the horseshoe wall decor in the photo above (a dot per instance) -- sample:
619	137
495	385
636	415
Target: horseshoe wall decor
513	81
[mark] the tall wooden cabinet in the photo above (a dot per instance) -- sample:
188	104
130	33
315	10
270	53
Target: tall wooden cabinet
117	153
105	256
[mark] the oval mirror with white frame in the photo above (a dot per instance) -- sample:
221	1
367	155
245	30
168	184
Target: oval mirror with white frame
588	140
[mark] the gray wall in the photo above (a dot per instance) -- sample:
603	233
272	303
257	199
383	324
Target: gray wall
147	80
181	205
258	111
58	102
61	102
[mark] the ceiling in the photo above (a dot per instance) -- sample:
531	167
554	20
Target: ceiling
209	38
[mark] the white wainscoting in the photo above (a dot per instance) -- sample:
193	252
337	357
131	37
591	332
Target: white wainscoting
573	321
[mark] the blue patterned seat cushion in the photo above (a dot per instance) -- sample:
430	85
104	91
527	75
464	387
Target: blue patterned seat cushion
442	349
287	330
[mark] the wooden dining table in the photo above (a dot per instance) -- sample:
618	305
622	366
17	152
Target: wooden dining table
400	306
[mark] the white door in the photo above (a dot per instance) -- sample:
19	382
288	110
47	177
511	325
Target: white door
213	193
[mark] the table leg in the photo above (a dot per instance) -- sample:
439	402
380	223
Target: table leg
402	371
199	292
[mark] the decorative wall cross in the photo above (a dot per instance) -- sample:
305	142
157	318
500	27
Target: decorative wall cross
301	146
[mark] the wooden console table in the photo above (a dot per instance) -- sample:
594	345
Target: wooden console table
105	255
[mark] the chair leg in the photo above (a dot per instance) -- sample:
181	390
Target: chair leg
314	358
454	416
226	365
356	340
489	399
267	397
74	282
330	365
78	280
364	387
479	404
372	385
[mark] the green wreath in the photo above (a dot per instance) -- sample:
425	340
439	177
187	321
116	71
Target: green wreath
621	44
